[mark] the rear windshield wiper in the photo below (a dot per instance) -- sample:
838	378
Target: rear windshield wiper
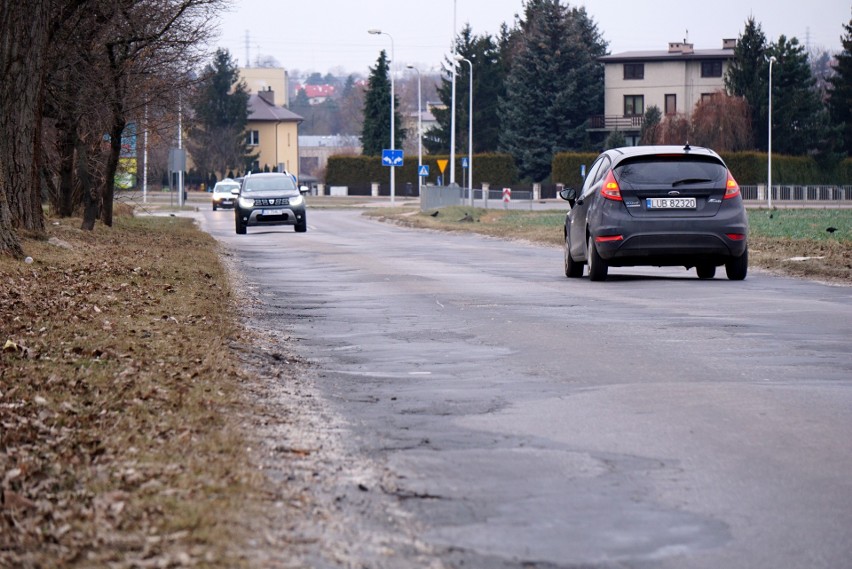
690	181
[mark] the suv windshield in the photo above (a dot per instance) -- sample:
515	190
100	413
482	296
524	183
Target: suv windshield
257	184
671	170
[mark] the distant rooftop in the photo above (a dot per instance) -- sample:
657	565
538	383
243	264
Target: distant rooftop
676	51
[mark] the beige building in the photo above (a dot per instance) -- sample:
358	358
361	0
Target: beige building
264	78
273	134
674	80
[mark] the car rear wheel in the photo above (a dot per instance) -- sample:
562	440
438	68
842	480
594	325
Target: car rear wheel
597	266
573	269
705	271
240	226
737	268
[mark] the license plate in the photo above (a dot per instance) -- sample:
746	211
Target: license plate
272	212
670	203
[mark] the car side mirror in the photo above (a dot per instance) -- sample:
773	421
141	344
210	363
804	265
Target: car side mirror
235	191
304	189
569	195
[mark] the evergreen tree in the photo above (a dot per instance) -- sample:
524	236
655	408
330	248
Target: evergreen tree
217	138
375	134
747	77
799	119
488	87
554	84
650	126
840	91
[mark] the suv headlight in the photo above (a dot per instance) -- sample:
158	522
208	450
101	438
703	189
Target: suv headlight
298	200
246	202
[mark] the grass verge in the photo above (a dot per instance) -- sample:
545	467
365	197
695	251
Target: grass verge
117	396
798	242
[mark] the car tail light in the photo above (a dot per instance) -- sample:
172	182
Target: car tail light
605	238
610	189
735	236
732	188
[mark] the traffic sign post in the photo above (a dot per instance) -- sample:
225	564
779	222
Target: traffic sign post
507	197
423	172
392	158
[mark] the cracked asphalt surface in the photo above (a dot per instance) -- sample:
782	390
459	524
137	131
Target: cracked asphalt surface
459	403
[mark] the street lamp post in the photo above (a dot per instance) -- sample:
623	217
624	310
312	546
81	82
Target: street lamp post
769	148
419	133
469	131
453	107
392	113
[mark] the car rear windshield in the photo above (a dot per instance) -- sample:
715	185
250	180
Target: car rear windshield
271	183
671	170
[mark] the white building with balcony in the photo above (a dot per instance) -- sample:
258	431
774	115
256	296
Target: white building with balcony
674	80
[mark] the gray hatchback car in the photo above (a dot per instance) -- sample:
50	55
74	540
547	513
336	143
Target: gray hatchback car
270	198
656	206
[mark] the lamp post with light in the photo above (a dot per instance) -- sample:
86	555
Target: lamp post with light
419	132
453	107
769	146
392	113
459	58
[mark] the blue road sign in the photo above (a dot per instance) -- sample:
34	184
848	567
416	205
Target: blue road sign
464	162
391	157
423	171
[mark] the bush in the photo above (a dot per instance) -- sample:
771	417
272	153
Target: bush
496	169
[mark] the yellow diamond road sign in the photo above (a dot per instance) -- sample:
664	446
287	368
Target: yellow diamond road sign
442	164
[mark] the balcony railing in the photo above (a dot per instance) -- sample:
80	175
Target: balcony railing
616	122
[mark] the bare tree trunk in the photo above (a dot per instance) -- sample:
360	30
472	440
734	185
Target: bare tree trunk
91	195
66	168
24	29
112	167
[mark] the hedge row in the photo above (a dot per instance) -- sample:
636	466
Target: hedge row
496	169
749	168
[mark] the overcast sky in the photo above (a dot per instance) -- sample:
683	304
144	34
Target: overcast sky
331	35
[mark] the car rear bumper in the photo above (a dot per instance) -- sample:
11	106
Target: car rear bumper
674	242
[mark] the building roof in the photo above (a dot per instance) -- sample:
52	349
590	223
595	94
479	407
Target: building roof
677	51
260	109
659	55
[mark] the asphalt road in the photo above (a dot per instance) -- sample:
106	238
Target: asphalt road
501	415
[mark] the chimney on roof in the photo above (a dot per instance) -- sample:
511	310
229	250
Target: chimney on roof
728	43
268	95
680	47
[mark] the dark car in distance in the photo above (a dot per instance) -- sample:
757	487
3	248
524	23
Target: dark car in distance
270	198
656	206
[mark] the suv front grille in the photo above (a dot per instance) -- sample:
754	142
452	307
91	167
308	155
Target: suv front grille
272	201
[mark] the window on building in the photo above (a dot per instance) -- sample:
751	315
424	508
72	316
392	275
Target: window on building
634	70
711	68
634	105
253	138
707	97
671	104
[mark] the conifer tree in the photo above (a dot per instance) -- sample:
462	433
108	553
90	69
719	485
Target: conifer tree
488	87
840	91
747	77
553	85
799	119
217	140
375	134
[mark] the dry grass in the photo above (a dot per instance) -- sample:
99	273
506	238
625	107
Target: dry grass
118	439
